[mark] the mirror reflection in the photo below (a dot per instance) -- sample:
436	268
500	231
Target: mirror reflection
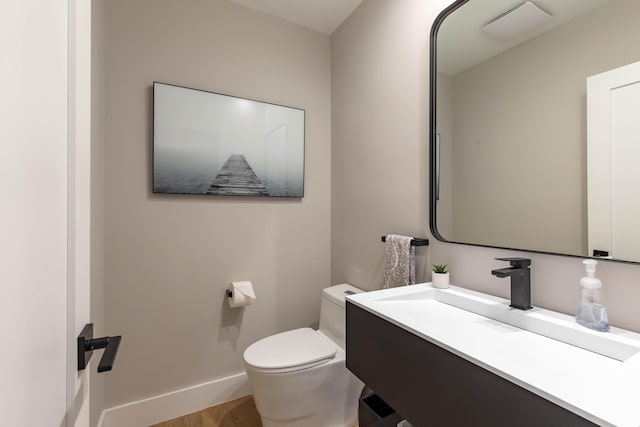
536	108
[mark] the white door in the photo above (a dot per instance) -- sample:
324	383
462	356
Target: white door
79	207
42	159
613	152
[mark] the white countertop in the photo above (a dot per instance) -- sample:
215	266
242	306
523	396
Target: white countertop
599	388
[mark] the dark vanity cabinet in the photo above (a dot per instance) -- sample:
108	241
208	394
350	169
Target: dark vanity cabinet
432	387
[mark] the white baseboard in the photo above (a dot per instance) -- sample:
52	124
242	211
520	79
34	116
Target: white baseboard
177	403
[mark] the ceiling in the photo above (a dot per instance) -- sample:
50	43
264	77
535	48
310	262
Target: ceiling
324	16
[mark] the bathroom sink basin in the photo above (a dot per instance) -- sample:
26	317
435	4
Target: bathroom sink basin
414	301
541	351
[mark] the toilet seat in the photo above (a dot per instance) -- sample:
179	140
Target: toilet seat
289	351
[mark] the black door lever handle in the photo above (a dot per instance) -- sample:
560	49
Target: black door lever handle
86	345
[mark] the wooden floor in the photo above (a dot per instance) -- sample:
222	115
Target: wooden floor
237	413
237	178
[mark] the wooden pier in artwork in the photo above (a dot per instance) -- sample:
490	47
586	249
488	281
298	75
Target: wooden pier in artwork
237	178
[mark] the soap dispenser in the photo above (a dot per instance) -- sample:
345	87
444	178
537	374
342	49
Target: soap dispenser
591	313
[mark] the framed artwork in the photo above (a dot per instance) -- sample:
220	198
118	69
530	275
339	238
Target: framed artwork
214	144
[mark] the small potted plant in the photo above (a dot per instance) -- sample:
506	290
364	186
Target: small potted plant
440	276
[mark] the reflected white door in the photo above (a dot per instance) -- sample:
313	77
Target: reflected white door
625	172
43	161
613	132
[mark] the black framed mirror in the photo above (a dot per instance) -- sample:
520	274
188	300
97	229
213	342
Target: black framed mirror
523	153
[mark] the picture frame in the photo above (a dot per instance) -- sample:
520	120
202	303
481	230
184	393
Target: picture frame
208	143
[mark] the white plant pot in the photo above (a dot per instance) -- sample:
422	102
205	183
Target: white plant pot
440	280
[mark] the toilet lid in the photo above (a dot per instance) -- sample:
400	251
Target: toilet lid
290	350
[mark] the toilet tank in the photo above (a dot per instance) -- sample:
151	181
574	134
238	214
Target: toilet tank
332	312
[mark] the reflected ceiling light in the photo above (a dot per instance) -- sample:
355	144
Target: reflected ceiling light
516	22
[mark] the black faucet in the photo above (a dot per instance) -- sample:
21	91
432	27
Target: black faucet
520	281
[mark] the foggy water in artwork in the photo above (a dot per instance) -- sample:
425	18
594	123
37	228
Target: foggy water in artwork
196	132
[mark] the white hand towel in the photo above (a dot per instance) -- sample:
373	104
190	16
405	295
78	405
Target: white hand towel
400	261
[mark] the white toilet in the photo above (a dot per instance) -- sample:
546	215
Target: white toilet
299	377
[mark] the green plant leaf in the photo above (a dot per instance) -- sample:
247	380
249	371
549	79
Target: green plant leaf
439	268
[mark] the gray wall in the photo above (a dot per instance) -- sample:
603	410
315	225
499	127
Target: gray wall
379	83
379	167
168	259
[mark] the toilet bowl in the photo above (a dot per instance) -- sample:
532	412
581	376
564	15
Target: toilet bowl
299	377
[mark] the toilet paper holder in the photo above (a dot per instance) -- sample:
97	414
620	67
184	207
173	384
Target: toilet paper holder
240	294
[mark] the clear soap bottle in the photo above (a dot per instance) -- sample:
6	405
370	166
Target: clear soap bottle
591	313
